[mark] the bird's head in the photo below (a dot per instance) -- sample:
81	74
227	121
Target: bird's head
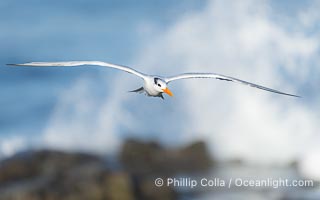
161	86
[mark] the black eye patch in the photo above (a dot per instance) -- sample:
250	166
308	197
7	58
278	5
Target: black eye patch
155	80
159	85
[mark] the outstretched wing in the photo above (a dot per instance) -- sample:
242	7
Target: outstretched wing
79	63
225	78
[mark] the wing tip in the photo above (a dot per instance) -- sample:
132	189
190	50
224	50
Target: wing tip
291	95
15	65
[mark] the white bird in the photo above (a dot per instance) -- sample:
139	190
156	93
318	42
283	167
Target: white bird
154	85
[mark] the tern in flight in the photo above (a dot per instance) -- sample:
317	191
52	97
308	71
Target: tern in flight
154	85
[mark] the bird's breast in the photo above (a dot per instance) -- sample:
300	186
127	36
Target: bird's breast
151	90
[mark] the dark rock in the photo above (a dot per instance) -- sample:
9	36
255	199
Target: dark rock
151	158
119	186
51	175
41	162
148	191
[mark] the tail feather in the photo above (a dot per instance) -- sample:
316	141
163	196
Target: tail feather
139	90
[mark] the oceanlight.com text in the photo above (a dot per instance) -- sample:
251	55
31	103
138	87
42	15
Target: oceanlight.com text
232	182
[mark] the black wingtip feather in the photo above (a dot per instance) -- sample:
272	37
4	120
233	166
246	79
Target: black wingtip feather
291	95
14	65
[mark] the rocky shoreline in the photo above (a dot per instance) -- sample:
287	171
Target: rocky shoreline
49	174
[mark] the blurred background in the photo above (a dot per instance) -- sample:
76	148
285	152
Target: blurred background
79	127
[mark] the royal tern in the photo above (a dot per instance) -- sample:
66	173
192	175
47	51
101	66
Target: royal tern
154	85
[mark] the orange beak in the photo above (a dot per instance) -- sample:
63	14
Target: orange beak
168	92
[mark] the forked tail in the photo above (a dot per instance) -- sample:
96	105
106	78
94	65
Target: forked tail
139	90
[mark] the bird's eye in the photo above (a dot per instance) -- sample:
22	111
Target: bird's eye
159	85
